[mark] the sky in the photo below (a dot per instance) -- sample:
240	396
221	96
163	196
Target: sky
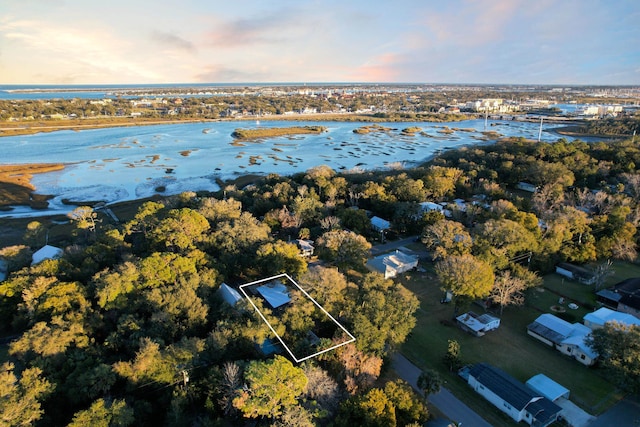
560	42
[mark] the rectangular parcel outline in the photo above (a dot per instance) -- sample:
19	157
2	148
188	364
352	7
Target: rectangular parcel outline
268	279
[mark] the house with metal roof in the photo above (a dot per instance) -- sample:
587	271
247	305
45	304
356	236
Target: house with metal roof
46	252
477	325
379	224
511	396
393	263
229	294
601	316
567	338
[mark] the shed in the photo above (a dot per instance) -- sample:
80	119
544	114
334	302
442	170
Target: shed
46	252
229	295
275	293
547	387
575	272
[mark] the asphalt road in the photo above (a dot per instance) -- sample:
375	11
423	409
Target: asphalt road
446	402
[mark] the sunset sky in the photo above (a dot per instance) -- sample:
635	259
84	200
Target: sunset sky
306	41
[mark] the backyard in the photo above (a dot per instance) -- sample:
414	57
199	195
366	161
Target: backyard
509	347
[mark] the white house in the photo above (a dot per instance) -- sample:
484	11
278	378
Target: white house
306	247
477	325
46	252
567	338
598	318
393	264
511	396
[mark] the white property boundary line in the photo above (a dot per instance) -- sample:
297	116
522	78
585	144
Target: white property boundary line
308	296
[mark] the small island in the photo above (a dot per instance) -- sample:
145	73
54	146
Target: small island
274	132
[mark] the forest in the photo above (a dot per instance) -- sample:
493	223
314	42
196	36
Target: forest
128	326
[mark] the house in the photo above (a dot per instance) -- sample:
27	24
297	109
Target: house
567	338
393	264
229	295
598	318
575	272
46	252
275	293
306	247
623	296
379	224
511	396
477	325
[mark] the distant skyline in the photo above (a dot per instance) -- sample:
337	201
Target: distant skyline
558	42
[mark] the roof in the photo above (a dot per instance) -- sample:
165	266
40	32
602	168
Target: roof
379	223
305	245
576	269
46	252
398	259
276	294
514	392
604	315
551	327
545	386
230	295
630	290
474	322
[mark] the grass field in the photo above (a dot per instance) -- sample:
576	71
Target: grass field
509	347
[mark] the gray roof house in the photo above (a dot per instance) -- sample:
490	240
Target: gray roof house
393	263
567	338
511	396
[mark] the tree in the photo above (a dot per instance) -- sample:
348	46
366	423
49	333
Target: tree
322	388
383	316
103	413
409	408
498	241
281	257
618	346
441	181
373	409
445	238
180	230
508	290
345	248
465	276
85	218
602	272
429	382
327	286
452	357
272	386
20	397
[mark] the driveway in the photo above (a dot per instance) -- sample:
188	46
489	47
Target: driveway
446	402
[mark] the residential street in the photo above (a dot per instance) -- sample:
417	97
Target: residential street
446	402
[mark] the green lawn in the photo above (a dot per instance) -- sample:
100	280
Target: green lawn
509	347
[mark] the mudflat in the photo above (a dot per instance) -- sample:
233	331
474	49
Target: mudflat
16	187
